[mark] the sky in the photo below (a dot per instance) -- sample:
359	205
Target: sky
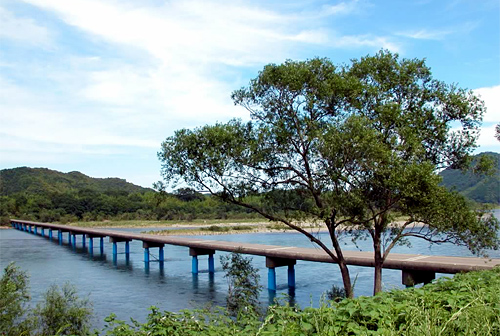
96	85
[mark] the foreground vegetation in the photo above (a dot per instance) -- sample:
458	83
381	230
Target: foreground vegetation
467	304
60	312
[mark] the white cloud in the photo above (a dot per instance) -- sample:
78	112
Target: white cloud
425	34
487	140
340	8
23	30
151	68
491	98
358	41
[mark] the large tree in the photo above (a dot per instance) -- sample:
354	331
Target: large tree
348	146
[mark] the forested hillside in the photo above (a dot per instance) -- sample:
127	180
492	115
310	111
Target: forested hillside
46	195
480	188
43	180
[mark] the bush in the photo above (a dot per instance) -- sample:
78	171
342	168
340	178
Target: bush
336	293
62	312
243	283
14	297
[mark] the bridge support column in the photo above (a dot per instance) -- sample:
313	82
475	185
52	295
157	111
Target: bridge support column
43	232
69	238
83	240
291	276
411	278
50	234
147	245
211	263
36	230
74	241
115	240
271	278
91	242
161	255
161	258
194	264
195	252
59	237
272	263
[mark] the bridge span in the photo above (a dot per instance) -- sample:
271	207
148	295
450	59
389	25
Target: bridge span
416	268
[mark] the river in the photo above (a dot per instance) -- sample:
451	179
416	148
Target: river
128	289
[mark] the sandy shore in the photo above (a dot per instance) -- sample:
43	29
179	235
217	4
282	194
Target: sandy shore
238	228
209	229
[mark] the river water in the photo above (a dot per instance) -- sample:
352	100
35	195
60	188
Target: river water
128	289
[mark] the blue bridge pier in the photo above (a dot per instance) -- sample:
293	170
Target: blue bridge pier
415	268
91	237
272	263
195	252
147	245
116	240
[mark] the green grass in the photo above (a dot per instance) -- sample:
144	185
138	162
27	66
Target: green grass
216	228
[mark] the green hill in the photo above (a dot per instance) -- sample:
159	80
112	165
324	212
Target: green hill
480	188
46	181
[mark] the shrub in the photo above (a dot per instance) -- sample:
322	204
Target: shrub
243	284
62	312
336	293
14	297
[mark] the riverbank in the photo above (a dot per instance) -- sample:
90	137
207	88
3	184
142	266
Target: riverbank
210	227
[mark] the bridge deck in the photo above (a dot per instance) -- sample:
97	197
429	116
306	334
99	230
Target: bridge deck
408	262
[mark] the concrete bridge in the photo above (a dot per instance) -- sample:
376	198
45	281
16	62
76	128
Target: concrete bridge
415	268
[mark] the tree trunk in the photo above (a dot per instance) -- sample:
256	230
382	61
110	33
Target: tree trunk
344	270
346	279
377	280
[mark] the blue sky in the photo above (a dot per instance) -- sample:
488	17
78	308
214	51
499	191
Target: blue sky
97	85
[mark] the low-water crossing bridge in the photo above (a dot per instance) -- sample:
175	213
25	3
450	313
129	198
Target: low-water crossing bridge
416	268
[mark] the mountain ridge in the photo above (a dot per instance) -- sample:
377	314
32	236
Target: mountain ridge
45	180
477	187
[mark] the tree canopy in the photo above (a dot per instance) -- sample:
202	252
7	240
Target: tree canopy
350	146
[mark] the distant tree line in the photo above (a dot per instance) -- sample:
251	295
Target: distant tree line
91	205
